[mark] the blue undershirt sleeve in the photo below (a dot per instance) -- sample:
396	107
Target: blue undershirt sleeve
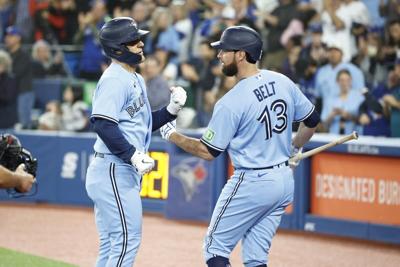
112	137
161	117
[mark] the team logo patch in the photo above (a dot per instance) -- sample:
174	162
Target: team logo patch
209	135
191	172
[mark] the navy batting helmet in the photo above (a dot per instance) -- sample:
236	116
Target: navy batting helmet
241	38
114	36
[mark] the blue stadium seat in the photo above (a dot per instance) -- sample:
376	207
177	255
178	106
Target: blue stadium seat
46	90
72	60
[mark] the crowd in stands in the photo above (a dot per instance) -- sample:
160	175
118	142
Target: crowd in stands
343	54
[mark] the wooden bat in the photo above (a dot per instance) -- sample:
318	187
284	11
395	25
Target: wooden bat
316	150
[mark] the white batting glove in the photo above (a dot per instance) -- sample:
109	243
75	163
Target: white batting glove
177	100
142	162
295	151
167	129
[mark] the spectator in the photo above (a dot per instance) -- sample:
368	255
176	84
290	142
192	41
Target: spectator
157	87
372	116
7	15
8	93
326	86
183	26
336	27
340	116
389	9
74	110
140	13
367	57
391	47
306	82
276	22
289	66
44	64
22	69
392	100
63	20
120	8
245	11
55	21
163	38
211	24
93	61
201	74
51	119
316	49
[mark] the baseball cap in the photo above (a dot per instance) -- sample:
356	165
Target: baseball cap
13	30
334	45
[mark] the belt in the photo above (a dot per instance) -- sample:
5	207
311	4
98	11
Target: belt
285	163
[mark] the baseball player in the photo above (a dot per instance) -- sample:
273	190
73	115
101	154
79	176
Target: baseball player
122	118
253	123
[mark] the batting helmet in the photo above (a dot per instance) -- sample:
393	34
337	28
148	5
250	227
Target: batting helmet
241	38
114	36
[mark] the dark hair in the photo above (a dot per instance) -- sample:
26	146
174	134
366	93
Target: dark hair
343	71
77	91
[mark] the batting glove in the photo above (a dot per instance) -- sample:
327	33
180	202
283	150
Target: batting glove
142	162
293	163
167	129
177	100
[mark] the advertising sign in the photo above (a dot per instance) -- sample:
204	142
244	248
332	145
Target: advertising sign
356	187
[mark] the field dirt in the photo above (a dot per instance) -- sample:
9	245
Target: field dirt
69	234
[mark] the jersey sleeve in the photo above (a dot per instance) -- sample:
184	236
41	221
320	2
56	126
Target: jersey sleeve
108	101
221	129
302	106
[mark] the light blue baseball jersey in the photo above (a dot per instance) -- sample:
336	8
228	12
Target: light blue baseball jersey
253	121
121	97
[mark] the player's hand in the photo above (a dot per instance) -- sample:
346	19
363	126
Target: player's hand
167	129
142	162
177	100
26	180
293	163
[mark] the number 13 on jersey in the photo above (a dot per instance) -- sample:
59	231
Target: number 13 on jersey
278	107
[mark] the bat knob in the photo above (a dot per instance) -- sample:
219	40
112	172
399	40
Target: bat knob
355	135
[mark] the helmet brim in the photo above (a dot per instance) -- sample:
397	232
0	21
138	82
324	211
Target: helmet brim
217	45
142	32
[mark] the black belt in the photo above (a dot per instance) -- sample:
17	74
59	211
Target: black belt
286	163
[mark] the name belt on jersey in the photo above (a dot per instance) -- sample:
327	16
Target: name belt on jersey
264	91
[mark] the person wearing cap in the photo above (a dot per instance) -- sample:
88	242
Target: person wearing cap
123	121
253	123
22	69
316	49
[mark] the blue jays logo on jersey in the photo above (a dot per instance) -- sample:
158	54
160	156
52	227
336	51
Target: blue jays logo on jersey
191	173
136	106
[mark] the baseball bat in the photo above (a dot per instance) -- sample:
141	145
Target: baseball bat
316	150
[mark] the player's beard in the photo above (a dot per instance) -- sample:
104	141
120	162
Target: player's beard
230	70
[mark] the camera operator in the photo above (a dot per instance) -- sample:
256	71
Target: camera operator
18	179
